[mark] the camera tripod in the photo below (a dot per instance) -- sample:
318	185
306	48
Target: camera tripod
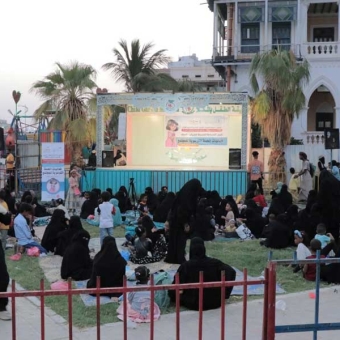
132	192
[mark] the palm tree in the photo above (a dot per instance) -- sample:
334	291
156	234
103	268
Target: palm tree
66	92
279	99
138	68
188	86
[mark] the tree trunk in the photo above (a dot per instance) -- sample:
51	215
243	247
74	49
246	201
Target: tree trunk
277	167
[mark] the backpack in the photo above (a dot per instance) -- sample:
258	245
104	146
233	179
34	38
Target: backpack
312	169
161	296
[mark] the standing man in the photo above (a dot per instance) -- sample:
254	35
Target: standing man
10	170
255	169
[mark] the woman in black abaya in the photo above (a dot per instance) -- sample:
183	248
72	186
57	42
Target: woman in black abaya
183	208
89	206
65	237
77	263
285	197
4	281
221	212
109	265
329	201
255	222
162	211
56	225
212	269
201	223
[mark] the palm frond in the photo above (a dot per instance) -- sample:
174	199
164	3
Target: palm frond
136	61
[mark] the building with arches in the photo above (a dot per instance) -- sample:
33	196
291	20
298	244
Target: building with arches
309	28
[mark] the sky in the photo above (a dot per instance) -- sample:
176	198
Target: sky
35	34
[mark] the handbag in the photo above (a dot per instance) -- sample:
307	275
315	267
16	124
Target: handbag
76	191
244	233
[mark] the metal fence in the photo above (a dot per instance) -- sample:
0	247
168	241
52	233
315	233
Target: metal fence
271	327
177	287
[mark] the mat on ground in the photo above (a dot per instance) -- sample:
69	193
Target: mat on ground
90	300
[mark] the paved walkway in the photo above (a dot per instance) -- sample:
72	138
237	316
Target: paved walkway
299	309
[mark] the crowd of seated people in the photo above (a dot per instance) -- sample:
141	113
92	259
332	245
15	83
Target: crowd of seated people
278	224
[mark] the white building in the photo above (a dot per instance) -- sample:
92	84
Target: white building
310	28
199	71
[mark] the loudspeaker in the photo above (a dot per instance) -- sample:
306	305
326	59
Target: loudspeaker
235	159
332	139
107	159
2	140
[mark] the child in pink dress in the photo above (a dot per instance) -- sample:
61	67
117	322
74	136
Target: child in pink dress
172	127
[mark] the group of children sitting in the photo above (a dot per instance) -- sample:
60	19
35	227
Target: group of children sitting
308	250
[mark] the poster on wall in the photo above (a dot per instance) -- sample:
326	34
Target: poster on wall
53	171
195	131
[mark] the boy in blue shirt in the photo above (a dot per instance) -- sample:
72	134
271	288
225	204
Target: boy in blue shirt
22	230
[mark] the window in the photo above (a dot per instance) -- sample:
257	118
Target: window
211	76
281	32
198	76
323	34
250	38
324	120
185	76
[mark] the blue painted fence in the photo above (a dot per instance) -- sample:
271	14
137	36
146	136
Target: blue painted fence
225	182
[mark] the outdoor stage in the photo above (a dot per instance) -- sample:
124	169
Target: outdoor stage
174	137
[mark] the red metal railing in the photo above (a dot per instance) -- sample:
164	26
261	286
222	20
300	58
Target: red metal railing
201	285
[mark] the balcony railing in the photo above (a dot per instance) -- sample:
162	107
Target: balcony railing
314	137
246	52
321	49
309	50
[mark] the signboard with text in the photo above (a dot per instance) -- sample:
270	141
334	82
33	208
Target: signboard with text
53	171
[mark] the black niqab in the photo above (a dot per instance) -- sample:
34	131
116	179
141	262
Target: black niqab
65	237
212	269
77	263
162	211
285	197
89	206
56	225
183	208
109	265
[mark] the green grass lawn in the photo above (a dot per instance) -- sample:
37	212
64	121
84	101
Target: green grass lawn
251	255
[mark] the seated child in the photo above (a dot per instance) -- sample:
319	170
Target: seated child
142	246
230	215
259	199
302	250
138	303
321	235
309	270
230	230
294	185
142	206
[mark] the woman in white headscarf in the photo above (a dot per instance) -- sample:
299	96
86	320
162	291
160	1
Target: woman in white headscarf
306	180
